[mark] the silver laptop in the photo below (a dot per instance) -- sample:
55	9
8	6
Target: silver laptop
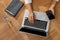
40	26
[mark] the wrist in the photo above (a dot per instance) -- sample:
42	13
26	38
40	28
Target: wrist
51	7
30	11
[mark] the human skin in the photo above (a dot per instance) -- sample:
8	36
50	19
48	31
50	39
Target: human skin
31	15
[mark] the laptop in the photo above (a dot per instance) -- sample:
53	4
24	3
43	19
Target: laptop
14	7
40	26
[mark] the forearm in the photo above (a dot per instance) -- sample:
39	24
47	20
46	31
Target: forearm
53	3
28	5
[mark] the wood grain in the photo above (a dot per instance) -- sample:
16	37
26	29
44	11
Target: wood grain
7	33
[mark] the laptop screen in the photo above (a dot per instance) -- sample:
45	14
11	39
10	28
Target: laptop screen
37	24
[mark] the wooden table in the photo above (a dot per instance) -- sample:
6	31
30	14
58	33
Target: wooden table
10	32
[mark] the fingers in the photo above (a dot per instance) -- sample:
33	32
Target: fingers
31	19
52	9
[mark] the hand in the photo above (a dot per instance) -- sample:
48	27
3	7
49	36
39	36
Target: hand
52	9
31	17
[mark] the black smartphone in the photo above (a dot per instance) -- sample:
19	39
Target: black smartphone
50	14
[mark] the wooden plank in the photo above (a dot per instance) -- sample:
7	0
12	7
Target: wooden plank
7	33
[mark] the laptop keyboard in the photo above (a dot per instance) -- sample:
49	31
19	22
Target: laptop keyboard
14	6
37	24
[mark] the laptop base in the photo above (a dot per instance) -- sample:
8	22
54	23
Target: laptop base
40	26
